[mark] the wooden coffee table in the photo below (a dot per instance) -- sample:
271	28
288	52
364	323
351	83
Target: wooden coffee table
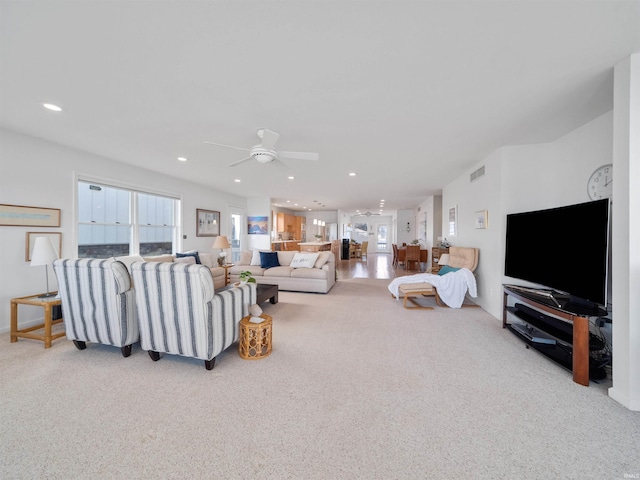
267	292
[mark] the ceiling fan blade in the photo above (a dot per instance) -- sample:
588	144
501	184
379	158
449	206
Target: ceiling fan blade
269	138
299	155
228	146
240	161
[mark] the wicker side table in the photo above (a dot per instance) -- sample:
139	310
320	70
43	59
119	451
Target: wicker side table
255	338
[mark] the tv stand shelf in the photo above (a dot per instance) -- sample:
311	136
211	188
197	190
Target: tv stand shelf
580	330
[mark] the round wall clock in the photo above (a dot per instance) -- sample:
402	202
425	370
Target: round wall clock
600	184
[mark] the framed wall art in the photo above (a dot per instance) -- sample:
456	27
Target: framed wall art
453	220
30	241
257	225
207	223
20	216
482	219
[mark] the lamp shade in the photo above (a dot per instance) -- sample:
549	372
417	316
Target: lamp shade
43	252
444	259
221	242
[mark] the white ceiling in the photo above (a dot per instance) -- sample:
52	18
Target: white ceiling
408	94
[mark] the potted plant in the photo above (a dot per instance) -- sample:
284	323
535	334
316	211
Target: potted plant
318	237
246	277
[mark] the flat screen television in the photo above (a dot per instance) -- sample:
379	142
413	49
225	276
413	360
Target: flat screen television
564	249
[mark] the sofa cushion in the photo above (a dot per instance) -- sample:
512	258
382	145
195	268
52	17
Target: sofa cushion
309	273
304	260
323	257
189	254
269	259
285	257
159	258
283	271
255	258
190	260
256	270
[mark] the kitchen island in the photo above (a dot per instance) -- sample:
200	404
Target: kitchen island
284	245
314	246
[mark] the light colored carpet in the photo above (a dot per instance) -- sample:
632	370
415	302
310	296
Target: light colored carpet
356	387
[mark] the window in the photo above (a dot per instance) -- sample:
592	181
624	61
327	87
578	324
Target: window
115	221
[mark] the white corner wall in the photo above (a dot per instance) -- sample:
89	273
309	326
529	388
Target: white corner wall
626	234
35	172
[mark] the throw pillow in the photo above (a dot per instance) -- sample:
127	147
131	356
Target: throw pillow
129	259
323	257
207	260
304	260
255	259
190	254
269	259
245	258
447	269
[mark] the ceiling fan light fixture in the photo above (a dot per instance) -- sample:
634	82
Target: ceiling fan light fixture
264	157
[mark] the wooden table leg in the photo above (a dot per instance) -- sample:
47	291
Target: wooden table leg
47	326
581	350
14	321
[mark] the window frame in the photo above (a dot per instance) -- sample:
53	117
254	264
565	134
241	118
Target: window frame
134	242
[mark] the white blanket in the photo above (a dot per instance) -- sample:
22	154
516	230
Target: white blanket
451	287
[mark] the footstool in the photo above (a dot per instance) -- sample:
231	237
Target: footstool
410	291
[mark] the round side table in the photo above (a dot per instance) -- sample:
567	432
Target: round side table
255	338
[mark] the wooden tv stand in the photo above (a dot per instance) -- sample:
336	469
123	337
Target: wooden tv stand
580	343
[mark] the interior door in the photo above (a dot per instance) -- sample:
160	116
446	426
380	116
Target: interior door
236	232
382	238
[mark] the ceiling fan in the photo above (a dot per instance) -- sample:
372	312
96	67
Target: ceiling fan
265	153
366	214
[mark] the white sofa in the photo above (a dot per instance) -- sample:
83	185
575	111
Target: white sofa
318	279
206	259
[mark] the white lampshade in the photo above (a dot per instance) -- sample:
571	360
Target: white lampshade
444	259
43	252
221	242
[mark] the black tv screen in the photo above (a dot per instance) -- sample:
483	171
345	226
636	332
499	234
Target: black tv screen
564	249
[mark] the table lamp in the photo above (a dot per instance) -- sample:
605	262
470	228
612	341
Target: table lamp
43	254
222	243
444	259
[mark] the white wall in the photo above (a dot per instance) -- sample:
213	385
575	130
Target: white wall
531	177
517	179
34	172
626	234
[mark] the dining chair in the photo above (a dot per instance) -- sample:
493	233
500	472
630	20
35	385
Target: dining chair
363	249
394	247
413	255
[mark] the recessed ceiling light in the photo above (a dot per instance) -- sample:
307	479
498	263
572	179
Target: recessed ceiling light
352	174
237	180
291	178
52	107
182	159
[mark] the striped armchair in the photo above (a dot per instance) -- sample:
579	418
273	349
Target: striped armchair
180	314
98	302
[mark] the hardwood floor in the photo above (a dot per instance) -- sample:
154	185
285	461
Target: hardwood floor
373	265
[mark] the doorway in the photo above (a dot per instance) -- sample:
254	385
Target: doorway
382	238
236	232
